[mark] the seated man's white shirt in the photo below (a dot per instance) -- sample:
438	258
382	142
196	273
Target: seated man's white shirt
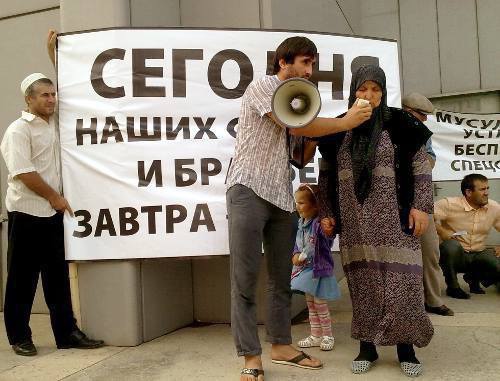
455	215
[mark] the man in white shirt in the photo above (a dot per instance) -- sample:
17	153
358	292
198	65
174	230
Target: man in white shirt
35	205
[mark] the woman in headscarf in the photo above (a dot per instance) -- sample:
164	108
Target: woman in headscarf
377	182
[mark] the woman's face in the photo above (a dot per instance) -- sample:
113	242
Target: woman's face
371	91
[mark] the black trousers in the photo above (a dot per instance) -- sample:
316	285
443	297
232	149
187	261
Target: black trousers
36	245
481	266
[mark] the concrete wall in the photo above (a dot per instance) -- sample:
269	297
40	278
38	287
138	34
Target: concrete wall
155	13
420	50
291	14
489	52
449	46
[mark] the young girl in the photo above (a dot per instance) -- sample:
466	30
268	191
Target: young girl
312	272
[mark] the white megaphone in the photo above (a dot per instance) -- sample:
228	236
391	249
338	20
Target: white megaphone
296	102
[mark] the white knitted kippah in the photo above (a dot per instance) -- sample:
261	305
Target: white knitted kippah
29	80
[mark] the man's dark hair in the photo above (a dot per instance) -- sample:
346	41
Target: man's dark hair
468	181
293	47
30	91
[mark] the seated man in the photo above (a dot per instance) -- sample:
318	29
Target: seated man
463	224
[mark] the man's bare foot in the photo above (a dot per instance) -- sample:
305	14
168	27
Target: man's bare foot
287	352
252	362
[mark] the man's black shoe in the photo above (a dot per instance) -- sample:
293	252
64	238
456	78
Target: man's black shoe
457	293
77	339
25	348
475	288
441	310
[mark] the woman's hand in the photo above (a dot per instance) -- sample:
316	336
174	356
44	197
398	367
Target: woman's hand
418	221
328	226
356	115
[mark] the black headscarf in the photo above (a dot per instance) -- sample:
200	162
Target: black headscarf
365	138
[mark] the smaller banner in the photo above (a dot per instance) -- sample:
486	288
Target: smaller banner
464	144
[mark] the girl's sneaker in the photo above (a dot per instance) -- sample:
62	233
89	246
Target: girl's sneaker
310	341
327	343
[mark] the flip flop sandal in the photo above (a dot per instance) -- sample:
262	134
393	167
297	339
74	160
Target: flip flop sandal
411	369
295	362
253	372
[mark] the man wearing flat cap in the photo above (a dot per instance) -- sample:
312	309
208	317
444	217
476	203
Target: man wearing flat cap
35	205
419	106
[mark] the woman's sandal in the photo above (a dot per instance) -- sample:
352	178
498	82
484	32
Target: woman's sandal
295	362
411	369
253	372
361	366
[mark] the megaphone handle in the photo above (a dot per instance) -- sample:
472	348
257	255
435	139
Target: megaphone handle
291	157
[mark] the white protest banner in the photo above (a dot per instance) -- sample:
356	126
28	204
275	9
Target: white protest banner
464	144
147	122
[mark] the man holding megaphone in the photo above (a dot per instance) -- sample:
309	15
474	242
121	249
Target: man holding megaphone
260	206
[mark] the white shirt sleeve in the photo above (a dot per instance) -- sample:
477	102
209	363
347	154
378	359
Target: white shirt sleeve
260	97
16	151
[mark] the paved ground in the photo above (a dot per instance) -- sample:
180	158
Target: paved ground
465	347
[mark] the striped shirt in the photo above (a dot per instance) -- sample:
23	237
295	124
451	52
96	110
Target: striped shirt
260	159
30	144
455	215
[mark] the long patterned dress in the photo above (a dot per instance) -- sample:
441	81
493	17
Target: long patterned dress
383	265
